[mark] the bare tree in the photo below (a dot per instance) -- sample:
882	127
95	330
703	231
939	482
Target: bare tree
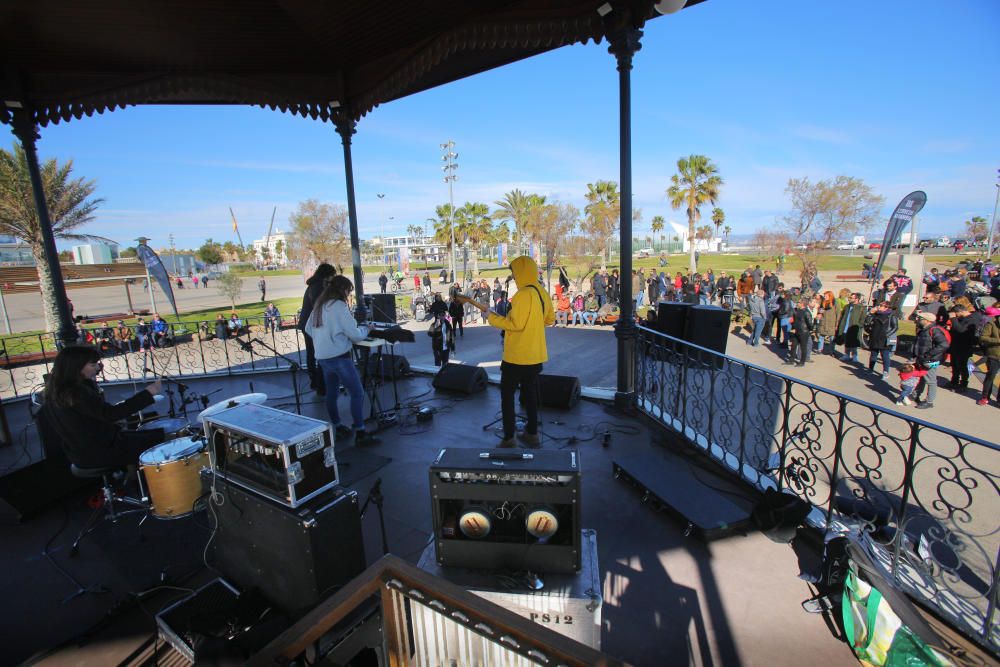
583	256
827	210
550	225
318	233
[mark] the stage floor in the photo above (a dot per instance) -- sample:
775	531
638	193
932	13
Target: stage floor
669	598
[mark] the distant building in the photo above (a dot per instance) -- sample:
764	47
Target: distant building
94	253
15	252
420	247
179	263
273	243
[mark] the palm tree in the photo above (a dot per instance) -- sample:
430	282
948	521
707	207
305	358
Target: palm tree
443	222
602	210
70	206
475	229
718	217
657	225
697	182
727	231
704	232
514	208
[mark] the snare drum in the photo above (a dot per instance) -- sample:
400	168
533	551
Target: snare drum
173	427
172	476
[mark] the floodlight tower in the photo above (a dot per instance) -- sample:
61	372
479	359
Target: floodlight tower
449	169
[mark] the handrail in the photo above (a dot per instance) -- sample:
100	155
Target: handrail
393	572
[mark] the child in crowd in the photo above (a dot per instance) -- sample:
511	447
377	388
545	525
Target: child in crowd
909	376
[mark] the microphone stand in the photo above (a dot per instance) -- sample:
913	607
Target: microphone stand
181	390
375	496
293	367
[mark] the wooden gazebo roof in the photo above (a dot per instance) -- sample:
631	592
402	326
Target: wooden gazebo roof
68	59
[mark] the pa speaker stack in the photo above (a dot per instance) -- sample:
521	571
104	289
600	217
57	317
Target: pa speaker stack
557	391
707	326
382	307
671	319
461	378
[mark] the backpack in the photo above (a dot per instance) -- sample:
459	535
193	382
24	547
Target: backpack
947	334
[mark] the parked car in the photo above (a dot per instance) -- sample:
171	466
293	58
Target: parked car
874	246
845	246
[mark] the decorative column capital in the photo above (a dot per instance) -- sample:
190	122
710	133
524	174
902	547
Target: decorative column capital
623	44
23	126
346	127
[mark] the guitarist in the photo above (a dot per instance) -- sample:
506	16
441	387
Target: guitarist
524	348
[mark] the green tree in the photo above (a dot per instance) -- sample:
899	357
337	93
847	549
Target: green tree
230	285
210	252
475	228
279	251
727	231
657	226
602	211
128	252
66	257
696	183
704	233
70	204
718	217
514	208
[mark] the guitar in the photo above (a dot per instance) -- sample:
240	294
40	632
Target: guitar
472	302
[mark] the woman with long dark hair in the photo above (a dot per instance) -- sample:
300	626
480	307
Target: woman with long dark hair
314	287
76	410
334	332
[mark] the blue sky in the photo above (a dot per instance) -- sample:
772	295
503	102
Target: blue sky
902	93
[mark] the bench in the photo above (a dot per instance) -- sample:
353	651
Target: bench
26	358
852	277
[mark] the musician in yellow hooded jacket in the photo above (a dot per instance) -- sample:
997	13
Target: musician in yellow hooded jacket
524	348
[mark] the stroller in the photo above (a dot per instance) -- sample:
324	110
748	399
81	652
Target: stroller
420	306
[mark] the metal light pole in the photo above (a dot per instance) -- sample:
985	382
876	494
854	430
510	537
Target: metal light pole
993	220
450	177
381	215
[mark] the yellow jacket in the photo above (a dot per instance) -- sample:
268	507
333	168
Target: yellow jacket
530	312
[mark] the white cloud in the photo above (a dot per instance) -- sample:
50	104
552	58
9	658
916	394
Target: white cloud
821	134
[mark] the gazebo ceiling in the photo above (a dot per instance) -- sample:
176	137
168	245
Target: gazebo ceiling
67	59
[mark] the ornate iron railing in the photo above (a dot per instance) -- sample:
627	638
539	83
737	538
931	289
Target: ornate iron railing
191	349
927	496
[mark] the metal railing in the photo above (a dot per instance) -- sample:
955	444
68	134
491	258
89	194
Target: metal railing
190	349
925	495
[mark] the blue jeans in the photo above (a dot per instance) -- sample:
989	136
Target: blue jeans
758	329
907	387
886	356
601	300
639	298
578	316
337	371
702	298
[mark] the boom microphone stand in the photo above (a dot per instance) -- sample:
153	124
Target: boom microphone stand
293	366
375	496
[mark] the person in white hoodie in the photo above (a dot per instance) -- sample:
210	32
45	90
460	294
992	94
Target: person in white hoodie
334	331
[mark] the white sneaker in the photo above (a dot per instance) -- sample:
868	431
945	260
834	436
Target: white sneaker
904	401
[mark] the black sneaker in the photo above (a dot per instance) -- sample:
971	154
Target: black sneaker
342	432
364	438
924	406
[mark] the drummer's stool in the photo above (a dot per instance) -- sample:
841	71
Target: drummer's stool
111	479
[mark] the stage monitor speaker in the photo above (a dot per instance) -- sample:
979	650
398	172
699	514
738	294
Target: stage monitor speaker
671	319
389	367
461	378
295	557
495	510
707	326
557	391
382	307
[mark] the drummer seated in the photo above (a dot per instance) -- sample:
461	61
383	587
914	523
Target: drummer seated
87	424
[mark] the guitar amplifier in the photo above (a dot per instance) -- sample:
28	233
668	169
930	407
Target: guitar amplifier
502	509
280	455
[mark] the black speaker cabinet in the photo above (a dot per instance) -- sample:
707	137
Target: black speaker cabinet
295	557
495	510
382	307
557	391
707	326
671	318
461	378
389	366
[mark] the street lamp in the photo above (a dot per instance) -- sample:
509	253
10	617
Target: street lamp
450	177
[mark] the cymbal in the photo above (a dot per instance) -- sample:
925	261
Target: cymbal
221	406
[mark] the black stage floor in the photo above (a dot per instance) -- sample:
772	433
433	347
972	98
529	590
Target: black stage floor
668	598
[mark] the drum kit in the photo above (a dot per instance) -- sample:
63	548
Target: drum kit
172	469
